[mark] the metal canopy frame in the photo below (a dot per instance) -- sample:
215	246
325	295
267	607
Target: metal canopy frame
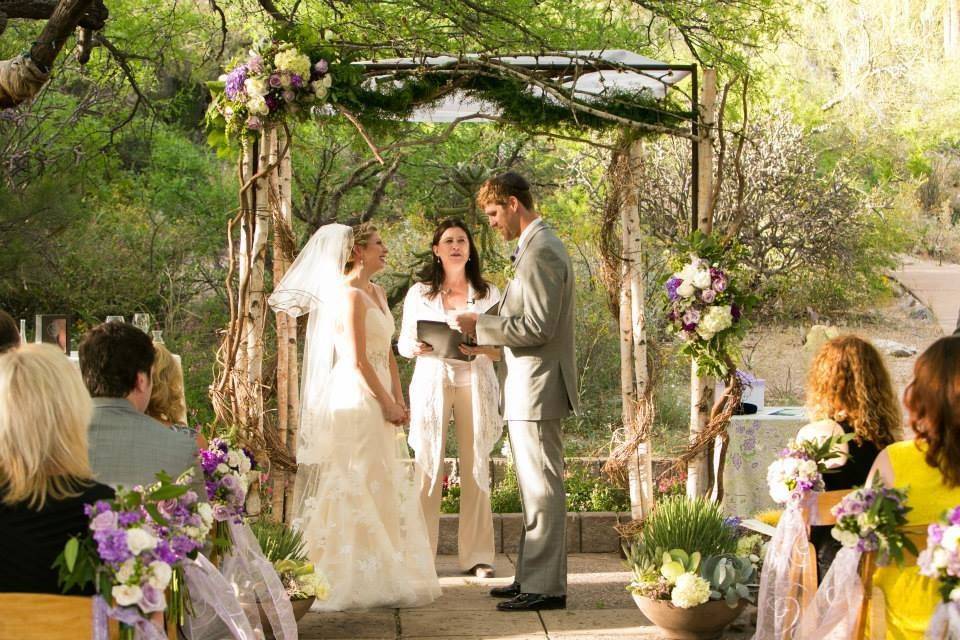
595	64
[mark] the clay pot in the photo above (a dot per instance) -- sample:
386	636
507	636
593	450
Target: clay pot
300	609
702	622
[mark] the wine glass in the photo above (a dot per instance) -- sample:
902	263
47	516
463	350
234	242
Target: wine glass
115	319
157	336
142	321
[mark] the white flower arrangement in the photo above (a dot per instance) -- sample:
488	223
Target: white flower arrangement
689	591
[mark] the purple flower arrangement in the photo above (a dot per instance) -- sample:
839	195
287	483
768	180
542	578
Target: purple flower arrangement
226	472
793	475
136	547
869	519
941	559
274	81
701	303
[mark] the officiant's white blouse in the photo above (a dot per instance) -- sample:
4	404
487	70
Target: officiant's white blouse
429	376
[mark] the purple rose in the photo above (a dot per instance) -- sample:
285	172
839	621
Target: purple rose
288	96
718	280
708	295
935	534
672	285
691	317
152	599
253	122
221	513
275	81
105	521
230	482
296	80
273	103
321	67
255	64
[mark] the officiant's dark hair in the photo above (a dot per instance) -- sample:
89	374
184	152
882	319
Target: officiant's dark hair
433	273
9	335
111	355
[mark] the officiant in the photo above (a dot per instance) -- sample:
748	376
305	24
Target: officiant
453	379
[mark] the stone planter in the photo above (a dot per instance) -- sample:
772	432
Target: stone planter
300	609
703	622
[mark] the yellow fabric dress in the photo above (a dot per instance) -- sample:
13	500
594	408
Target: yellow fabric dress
911	598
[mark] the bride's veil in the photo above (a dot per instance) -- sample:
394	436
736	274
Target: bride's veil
314	285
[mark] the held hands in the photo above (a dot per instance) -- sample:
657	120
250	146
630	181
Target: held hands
465	323
395	412
471	350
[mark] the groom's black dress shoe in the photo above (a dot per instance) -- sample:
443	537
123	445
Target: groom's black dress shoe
533	602
512	590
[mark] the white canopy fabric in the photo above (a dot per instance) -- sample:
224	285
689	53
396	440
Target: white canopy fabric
588	85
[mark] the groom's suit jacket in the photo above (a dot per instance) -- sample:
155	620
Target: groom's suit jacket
534	321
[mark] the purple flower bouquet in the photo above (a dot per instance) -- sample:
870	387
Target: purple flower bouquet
227	471
868	519
941	559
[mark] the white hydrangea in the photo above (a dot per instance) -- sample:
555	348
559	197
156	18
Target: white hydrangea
139	539
293	61
256	87
689	591
716	318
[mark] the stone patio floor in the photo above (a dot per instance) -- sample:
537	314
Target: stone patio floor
598	607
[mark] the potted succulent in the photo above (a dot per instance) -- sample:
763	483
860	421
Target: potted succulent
284	548
688	577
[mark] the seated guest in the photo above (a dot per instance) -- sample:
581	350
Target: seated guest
45	478
929	469
128	447
167	402
849	391
9	335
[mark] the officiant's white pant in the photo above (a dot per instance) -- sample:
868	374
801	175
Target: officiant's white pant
538	454
475	536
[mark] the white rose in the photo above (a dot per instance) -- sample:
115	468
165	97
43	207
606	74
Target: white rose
686	289
319	89
222	468
126	570
139	540
206	513
702	280
192	532
950	538
126	595
327	80
244	465
160	574
256	87
688	271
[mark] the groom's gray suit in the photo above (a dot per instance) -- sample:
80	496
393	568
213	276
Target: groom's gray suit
534	322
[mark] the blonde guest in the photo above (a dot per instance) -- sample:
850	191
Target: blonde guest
45	475
849	392
445	388
167	400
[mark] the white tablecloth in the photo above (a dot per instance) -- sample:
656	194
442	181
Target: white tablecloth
755	441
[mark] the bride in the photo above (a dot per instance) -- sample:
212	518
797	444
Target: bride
354	499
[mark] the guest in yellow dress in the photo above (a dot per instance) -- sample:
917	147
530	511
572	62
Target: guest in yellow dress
929	467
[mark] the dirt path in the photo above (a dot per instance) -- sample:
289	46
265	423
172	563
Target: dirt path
936	286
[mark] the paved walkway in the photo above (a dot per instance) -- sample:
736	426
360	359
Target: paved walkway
937	287
598	607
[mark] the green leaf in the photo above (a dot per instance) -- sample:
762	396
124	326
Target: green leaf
168	491
70	553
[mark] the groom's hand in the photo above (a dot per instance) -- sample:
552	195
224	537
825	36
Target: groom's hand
465	323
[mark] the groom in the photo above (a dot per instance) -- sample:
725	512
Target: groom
534	321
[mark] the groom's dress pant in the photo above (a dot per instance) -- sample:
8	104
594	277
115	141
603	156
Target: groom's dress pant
538	454
475	535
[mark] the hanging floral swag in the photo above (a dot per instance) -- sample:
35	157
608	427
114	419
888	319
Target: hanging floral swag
289	76
707	308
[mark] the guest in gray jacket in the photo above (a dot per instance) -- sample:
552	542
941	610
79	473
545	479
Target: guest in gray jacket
128	447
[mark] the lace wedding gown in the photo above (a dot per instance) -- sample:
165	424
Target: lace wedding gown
355	500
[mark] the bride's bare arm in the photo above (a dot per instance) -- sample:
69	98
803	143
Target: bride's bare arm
357	336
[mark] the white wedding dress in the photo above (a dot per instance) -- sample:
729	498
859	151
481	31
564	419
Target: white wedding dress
355	500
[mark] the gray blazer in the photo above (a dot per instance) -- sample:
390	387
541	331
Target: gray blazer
128	447
534	321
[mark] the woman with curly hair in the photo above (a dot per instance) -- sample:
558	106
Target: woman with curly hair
928	467
849	392
167	400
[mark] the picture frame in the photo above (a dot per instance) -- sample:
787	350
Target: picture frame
54	329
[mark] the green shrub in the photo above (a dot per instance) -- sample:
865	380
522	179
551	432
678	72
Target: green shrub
450	502
693	525
279	542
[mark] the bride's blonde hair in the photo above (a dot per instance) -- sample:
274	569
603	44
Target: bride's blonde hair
361	236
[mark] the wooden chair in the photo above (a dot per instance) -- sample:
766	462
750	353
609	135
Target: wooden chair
916	533
804	569
41	616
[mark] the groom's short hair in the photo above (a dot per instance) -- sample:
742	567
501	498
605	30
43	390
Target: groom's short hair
497	189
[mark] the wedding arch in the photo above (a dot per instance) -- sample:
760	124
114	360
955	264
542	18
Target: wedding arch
584	89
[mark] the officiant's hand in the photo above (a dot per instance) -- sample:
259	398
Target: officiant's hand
422	348
465	323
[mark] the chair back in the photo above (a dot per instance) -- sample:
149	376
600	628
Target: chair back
820	514
917	534
42	616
